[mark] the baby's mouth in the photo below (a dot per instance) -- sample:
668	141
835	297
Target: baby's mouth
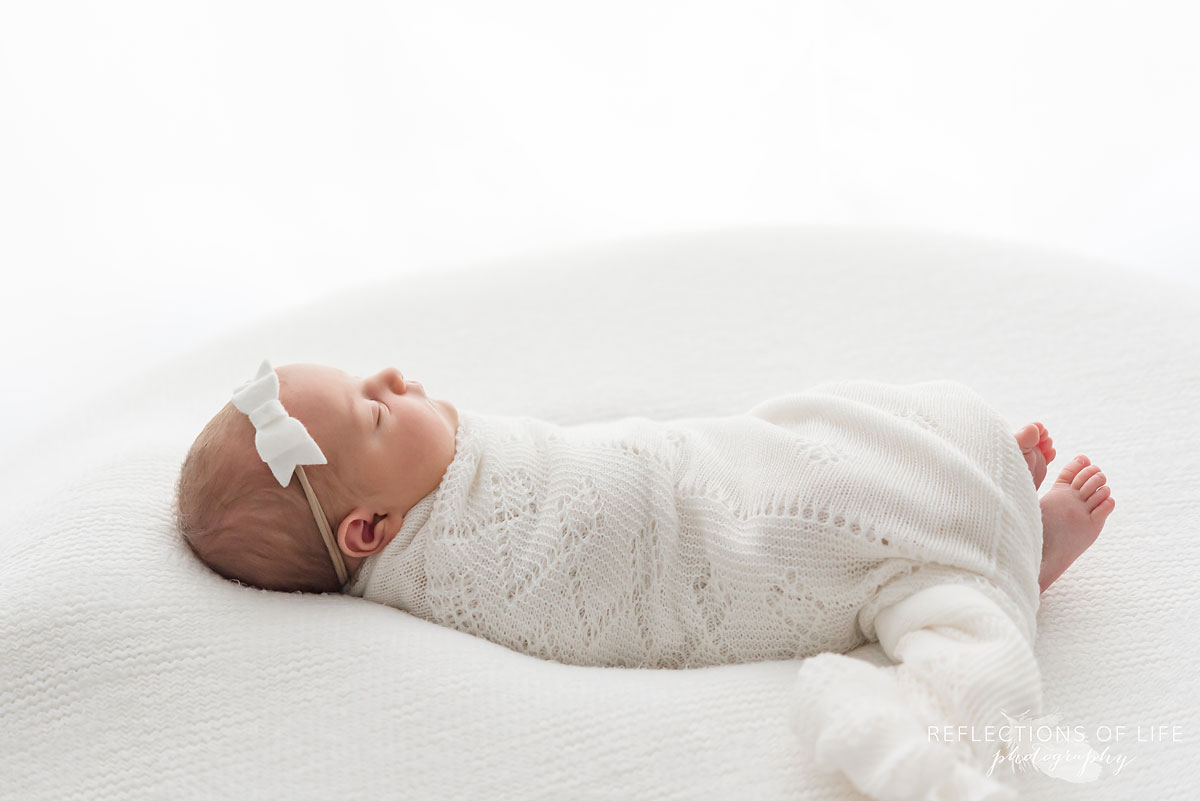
421	391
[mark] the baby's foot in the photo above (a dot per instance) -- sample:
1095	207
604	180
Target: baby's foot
1037	448
1073	512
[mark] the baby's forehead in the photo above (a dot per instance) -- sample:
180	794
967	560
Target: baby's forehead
305	373
305	383
319	396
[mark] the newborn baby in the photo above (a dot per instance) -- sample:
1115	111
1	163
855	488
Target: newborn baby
853	512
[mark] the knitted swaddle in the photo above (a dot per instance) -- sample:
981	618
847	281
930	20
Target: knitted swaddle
784	532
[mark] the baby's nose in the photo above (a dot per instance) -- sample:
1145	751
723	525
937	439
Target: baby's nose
391	378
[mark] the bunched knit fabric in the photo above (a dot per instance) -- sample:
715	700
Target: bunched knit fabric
855	511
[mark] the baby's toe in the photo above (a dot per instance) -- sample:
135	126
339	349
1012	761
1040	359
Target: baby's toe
1103	510
1092	484
1072	468
1084	475
1098	497
1027	437
1045	443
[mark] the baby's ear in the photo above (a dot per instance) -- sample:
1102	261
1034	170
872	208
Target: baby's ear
358	534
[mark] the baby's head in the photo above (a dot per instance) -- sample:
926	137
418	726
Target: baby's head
387	445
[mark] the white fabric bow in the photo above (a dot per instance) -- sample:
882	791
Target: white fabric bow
282	441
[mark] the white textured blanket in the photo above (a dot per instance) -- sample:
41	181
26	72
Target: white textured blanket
131	671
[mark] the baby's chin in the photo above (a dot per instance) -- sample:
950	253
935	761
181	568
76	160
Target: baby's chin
450	410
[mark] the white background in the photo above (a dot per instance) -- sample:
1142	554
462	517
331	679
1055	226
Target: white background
170	171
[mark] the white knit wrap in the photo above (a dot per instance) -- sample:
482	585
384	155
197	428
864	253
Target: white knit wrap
703	541
852	512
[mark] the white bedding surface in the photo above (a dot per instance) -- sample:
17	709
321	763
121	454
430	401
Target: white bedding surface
131	671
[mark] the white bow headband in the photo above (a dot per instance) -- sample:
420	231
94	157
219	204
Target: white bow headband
285	445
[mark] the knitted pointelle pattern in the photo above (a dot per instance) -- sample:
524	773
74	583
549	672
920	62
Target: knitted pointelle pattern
798	528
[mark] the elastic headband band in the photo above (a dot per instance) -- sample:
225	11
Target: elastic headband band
335	553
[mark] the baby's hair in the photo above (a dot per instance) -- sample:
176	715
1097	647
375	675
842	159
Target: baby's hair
240	522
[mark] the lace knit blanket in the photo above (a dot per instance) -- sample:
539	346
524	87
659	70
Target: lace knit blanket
774	534
810	524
